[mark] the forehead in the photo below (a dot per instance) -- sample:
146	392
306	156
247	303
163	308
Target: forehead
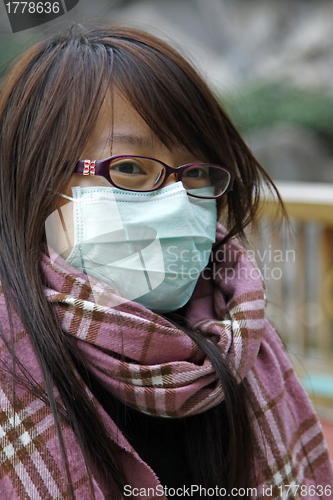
119	124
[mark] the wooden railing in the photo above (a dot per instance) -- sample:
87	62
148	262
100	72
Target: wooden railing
298	267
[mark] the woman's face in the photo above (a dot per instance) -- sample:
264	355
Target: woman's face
122	131
119	130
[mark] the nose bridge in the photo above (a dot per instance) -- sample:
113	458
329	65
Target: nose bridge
173	177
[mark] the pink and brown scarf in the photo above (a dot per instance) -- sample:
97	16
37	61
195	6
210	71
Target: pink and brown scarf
153	366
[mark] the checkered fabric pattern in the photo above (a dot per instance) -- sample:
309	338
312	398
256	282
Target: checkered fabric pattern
153	366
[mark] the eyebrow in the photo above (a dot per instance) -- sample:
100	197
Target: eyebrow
132	140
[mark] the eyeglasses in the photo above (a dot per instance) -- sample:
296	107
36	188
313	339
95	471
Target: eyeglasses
141	173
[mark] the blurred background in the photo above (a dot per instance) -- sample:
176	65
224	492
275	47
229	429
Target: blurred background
270	62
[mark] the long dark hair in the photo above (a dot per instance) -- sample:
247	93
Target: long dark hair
49	104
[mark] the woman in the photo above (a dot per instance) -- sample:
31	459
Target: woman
135	357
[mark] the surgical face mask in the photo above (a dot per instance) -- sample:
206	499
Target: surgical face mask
149	247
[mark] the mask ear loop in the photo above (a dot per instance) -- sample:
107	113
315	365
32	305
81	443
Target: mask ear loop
68	197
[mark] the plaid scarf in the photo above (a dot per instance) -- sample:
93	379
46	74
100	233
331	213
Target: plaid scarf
153	366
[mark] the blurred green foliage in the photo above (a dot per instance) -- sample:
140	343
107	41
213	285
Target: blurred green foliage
265	105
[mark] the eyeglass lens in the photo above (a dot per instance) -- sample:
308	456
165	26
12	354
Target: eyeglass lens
140	174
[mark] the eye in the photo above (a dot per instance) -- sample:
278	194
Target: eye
196	173
126	167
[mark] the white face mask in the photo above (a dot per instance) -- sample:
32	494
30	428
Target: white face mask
150	247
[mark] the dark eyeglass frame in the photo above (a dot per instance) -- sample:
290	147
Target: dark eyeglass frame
101	168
